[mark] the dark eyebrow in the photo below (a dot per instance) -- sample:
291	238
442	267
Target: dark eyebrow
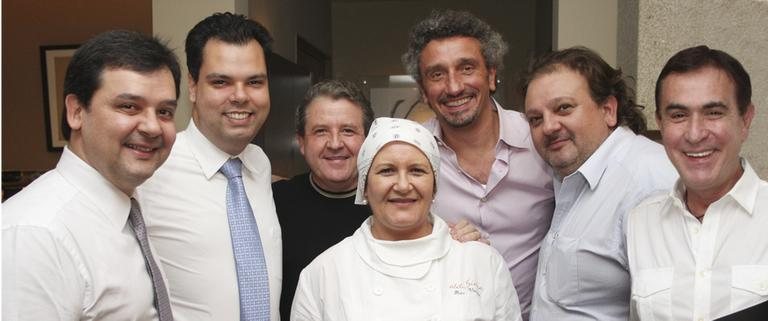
169	103
433	68
127	96
142	100
674	106
714	104
467	61
216	76
259	76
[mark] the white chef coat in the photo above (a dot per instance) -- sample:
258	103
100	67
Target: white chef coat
430	278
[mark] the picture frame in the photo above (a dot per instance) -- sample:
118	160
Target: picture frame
54	61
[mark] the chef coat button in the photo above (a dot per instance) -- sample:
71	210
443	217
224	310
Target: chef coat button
378	291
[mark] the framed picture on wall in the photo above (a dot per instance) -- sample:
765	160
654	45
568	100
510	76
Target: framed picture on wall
54	61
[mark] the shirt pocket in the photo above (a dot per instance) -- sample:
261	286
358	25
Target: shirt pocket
562	271
651	294
749	286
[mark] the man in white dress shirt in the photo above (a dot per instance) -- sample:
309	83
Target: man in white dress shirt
69	247
700	251
586	125
185	202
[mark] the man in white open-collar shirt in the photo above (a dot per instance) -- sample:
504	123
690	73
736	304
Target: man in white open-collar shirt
586	125
701	251
70	251
186	205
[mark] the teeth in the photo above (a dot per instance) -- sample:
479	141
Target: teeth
238	115
459	102
140	148
699	154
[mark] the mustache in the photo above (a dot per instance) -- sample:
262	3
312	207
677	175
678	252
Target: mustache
558	136
444	98
151	142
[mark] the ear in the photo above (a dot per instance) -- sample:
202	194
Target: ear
492	80
747	118
74	112
192	88
300	140
609	109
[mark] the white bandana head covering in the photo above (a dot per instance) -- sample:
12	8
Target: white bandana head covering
385	130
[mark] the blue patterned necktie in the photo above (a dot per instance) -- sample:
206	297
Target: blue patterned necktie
252	279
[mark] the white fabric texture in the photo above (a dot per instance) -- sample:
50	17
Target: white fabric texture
385	130
184	205
683	269
430	278
69	252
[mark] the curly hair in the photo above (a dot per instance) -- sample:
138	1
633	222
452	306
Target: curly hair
603	80
449	23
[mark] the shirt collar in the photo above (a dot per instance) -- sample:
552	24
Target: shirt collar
107	198
608	151
514	136
744	192
210	157
746	189
409	259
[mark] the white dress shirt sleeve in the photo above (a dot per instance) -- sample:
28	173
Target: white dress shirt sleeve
38	282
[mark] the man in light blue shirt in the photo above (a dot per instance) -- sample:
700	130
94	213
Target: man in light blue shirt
585	124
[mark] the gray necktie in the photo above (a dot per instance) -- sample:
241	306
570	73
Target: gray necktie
162	303
251	266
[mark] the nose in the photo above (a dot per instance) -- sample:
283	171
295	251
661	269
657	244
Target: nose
550	124
403	184
334	141
454	84
238	95
149	126
696	130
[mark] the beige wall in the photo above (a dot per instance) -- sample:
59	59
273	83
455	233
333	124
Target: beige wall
737	27
27	25
589	23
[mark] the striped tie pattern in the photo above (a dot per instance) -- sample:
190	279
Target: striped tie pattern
162	303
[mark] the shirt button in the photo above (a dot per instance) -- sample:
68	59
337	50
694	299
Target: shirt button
484	199
377	291
430	288
695	230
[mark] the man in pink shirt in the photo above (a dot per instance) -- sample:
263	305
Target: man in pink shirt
491	173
